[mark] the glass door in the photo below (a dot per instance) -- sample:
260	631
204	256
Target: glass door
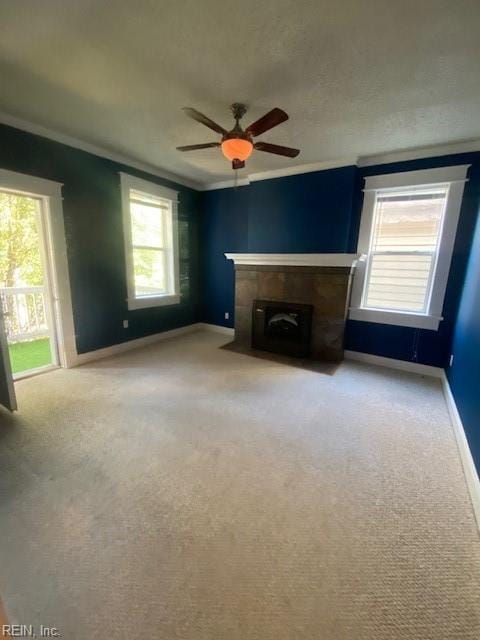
25	285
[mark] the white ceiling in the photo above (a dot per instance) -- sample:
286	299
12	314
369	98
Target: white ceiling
357	78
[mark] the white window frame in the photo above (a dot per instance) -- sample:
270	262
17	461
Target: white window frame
128	182
454	177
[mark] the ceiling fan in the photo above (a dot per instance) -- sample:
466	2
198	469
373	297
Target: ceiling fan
237	144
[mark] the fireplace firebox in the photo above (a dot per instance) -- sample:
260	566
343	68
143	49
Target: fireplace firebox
282	327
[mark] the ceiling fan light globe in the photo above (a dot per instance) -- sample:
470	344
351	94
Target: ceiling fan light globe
237	149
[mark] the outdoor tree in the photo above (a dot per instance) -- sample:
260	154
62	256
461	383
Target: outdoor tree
20	257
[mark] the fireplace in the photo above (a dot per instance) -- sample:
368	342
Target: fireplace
282	327
293	304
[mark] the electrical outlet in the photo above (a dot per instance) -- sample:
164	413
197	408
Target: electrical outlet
451	359
227	315
125	324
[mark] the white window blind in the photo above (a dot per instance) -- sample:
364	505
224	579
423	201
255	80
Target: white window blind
406	233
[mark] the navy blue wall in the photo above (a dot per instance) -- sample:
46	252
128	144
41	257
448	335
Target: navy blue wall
296	214
93	222
308	213
320	212
464	375
224	229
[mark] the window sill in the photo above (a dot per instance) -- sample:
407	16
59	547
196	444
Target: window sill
399	318
153	301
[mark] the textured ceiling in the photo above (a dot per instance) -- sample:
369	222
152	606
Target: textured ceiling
357	78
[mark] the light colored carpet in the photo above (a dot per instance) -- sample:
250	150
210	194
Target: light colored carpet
184	491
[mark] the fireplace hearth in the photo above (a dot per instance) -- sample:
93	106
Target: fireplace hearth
282	327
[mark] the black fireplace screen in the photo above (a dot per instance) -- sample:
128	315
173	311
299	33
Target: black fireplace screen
282	327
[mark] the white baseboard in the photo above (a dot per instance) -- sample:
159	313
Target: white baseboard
82	358
392	363
469	469
218	328
471	475
98	354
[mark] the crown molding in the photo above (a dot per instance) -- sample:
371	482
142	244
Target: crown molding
226	184
281	173
467	146
57	136
303	168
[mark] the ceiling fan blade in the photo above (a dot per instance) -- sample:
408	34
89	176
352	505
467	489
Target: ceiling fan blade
199	117
194	147
268	121
276	148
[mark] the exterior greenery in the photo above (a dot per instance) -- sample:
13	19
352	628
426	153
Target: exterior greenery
32	354
20	269
20	258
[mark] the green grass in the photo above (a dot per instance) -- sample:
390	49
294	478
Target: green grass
30	355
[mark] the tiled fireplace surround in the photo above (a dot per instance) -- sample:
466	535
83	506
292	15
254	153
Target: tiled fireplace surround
322	280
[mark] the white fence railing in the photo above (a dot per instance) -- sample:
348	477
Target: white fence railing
25	312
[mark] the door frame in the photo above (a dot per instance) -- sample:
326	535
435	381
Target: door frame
47	265
49	193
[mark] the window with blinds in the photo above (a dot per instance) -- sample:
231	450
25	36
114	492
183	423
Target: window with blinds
406	233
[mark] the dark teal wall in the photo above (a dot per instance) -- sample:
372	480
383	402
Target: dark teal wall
93	222
320	212
464	375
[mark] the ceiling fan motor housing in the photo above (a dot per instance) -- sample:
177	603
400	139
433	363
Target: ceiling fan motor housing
237	144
